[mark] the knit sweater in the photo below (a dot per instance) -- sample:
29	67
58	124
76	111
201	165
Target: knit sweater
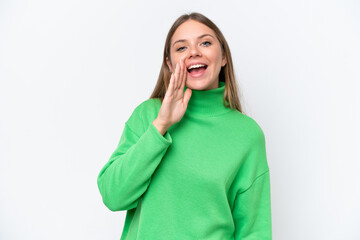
206	178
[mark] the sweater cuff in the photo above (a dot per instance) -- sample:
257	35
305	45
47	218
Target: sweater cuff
164	139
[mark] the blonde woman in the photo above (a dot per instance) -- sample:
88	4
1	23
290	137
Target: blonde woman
190	165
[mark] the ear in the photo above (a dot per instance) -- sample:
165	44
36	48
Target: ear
224	61
169	64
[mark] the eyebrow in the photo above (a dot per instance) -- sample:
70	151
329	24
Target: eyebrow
183	40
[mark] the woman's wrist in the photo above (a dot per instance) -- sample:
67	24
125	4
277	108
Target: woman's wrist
162	128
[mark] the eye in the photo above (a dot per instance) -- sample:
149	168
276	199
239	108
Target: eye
209	43
179	49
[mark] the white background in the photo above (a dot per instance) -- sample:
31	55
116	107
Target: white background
72	72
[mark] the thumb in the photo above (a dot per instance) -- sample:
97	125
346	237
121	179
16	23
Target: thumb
187	95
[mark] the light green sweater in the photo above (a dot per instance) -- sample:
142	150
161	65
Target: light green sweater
207	178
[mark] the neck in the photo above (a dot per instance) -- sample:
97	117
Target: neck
207	103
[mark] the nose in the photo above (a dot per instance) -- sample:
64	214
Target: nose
194	51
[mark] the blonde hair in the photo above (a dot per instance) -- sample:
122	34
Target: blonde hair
226	73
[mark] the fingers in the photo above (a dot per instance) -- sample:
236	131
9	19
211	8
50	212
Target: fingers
181	74
184	76
183	80
178	78
177	73
172	82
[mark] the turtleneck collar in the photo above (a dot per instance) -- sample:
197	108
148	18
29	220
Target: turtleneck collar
207	103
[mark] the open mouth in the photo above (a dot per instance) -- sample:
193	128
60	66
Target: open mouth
196	68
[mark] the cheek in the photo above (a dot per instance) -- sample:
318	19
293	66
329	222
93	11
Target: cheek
215	56
175	60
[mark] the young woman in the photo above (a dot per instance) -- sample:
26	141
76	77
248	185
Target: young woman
190	165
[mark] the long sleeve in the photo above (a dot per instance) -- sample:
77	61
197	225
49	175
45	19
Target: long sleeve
252	211
127	174
252	205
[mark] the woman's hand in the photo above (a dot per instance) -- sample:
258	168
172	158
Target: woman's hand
175	101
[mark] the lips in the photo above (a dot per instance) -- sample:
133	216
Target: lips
197	69
197	72
194	69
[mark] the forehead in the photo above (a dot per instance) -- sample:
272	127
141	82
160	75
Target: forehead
191	29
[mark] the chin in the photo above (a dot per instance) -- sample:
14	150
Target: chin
198	85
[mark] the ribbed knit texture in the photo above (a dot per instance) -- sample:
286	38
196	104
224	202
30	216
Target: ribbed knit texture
207	178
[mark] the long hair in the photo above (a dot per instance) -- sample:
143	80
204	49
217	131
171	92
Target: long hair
226	73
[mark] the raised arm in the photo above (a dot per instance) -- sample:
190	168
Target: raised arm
127	174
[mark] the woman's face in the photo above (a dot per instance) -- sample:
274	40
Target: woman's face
197	44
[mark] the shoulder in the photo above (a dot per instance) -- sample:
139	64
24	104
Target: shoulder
253	124
144	113
148	109
247	126
151	104
146	106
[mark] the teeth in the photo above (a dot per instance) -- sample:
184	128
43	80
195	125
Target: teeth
196	66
